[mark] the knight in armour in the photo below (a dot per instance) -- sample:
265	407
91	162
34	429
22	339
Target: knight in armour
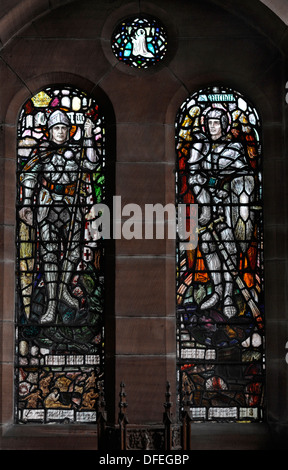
51	178
223	185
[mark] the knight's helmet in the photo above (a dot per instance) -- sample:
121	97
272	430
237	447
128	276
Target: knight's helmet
58	117
219	114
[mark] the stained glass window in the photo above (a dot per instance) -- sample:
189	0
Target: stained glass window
60	280
220	312
140	41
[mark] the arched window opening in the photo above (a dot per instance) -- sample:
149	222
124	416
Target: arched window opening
220	324
59	262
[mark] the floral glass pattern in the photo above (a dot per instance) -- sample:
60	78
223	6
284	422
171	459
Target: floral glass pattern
220	284
60	278
140	42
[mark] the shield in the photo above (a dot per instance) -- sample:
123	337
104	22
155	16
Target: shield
242	215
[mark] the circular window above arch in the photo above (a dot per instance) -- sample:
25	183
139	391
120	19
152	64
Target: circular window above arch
139	41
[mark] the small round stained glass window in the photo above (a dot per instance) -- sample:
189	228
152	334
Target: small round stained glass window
140	42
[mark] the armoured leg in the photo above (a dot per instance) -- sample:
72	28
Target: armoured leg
65	294
50	265
227	237
51	278
213	264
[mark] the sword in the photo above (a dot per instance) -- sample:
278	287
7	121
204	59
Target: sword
232	269
72	219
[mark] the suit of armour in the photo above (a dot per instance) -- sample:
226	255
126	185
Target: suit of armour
52	175
218	168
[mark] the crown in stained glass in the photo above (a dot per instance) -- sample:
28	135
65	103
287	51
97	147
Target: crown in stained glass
41	99
140	42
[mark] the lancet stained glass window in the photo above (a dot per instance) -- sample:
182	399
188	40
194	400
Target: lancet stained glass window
220	312
140	42
60	277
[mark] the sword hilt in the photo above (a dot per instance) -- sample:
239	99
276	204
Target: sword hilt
210	226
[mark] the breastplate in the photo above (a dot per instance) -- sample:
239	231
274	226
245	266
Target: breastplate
62	169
